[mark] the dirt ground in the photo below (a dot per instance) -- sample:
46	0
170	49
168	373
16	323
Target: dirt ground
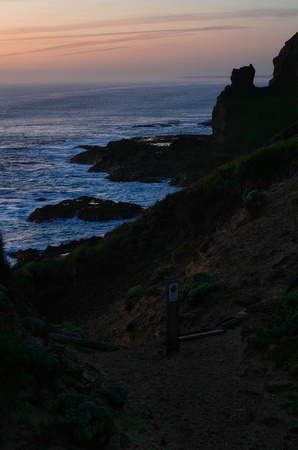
209	395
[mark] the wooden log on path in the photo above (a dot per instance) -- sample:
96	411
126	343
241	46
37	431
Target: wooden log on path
231	321
190	337
97	345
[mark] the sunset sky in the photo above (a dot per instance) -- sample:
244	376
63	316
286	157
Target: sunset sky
140	40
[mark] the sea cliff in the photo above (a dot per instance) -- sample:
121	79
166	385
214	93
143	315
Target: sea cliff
245	116
84	362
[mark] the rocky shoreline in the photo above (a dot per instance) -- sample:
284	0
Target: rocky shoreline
182	158
86	208
35	255
244	118
185	159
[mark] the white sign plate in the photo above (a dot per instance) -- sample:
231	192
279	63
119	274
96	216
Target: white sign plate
173	288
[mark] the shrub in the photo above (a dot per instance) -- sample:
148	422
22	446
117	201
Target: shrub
70	329
83	418
262	167
36	326
202	285
115	393
280	335
31	269
293	403
163	272
197	292
132	296
13	371
255	203
42	360
21	361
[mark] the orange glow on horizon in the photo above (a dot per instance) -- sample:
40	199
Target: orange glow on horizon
54	43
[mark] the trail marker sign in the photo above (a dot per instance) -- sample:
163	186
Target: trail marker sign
173	291
173	329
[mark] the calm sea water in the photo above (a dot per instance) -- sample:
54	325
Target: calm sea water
41	125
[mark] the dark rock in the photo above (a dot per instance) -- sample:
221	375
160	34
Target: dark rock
285	73
124	174
86	208
207	123
24	256
92	155
150	160
243	78
245	117
255	203
103	210
206	245
286	134
144	126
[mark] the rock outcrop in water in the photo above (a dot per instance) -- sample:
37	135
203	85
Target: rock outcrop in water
32	254
245	116
183	158
86	208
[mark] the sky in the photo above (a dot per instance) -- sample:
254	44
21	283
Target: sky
140	40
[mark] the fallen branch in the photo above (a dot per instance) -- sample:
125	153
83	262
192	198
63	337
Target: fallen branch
98	345
190	337
231	321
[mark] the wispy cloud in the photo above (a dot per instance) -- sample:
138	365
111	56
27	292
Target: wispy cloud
123	37
96	50
238	14
105	36
125	33
160	19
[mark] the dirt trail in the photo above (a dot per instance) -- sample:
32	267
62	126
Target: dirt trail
210	395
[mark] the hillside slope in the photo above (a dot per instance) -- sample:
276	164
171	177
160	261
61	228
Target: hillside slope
233	256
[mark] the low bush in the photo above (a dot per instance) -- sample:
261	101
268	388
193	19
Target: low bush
280	336
36	326
201	286
132	296
69	329
21	361
83	418
292	404
255	203
197	292
261	167
115	393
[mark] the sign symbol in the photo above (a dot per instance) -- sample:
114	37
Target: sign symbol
173	289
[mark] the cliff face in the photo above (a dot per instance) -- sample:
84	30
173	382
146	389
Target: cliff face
245	116
285	73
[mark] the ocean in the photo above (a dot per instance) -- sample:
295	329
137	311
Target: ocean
41	126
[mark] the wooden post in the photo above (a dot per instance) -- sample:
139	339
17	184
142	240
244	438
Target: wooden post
173	329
